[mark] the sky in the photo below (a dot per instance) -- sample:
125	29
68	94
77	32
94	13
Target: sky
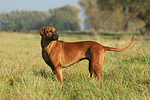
37	5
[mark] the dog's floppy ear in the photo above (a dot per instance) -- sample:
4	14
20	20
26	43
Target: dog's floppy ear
41	31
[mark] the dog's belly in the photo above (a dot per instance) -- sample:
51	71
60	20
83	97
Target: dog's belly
68	60
67	64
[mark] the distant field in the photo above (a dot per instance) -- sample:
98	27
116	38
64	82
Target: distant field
25	76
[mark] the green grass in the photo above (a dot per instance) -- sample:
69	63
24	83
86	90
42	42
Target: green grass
24	75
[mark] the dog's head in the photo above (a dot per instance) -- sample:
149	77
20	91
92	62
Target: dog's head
49	33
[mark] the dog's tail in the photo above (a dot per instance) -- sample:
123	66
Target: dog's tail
118	49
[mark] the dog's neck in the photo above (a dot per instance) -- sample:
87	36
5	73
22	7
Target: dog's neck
46	42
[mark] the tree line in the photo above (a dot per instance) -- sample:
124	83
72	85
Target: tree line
117	15
64	18
107	15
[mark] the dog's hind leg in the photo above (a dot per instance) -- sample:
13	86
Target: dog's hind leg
91	70
97	61
98	73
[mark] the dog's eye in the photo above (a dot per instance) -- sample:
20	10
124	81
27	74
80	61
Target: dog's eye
50	31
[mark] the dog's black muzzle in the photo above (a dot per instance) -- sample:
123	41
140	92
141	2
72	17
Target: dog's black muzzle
54	37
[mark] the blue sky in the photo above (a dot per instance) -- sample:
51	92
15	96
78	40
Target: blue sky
38	5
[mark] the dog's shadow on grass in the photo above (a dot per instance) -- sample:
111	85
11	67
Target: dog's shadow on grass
44	74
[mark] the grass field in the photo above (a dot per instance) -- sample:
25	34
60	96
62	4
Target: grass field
25	76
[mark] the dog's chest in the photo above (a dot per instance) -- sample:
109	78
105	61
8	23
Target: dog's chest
46	57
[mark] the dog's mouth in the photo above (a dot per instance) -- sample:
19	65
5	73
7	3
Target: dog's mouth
54	37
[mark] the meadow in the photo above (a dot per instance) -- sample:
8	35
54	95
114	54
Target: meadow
25	76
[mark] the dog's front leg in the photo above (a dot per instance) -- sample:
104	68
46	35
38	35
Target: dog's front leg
59	73
55	75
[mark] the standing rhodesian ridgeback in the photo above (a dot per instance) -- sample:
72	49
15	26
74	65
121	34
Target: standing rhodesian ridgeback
59	54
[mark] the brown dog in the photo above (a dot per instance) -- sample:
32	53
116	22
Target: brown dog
59	54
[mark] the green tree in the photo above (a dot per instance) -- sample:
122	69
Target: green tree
23	20
93	13
132	9
94	16
65	18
